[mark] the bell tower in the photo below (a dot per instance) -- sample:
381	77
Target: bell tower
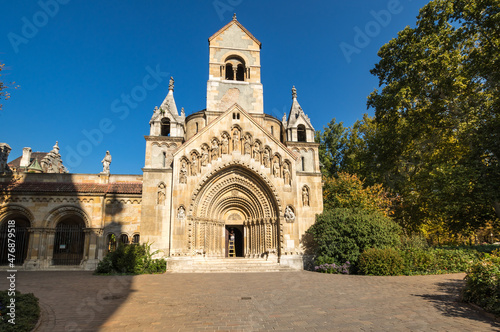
234	70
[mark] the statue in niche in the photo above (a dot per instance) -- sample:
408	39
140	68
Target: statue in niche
276	168
161	194
236	140
215	149
181	214
183	172
247	145
289	215
194	164
305	196
265	158
225	143
204	156
286	175
106	162
256	151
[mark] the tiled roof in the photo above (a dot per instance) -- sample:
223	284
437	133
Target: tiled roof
34	155
58	187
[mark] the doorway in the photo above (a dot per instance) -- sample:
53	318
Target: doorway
238	239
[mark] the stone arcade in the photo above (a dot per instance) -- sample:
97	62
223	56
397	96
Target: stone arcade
227	168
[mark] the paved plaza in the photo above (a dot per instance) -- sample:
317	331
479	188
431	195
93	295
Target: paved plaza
304	301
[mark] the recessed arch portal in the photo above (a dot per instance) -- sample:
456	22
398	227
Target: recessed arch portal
234	195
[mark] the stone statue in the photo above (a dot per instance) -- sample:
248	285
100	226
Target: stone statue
183	173
289	215
265	158
105	162
171	84
204	156
225	143
4	156
276	168
305	196
247	145
215	149
181	214
236	140
194	164
287	175
161	194
294	92
256	151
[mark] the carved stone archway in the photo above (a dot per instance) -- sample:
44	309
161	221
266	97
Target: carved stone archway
234	190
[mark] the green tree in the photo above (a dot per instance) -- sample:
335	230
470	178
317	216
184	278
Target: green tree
437	116
332	142
347	191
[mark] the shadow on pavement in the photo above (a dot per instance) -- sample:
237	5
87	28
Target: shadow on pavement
447	301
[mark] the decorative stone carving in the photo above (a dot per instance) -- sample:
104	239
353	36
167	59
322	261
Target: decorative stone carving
181	213
194	164
105	162
215	149
265	158
248	144
305	196
256	151
276	168
4	156
286	174
183	172
236	140
161	194
225	143
289	214
204	155
52	162
171	84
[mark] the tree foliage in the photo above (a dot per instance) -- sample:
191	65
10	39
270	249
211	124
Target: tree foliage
332	141
347	191
3	94
437	141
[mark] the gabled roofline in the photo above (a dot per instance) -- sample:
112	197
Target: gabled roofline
235	21
250	117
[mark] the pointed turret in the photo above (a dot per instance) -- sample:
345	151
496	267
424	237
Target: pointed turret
166	120
298	127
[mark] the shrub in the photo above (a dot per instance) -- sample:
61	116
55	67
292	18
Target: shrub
483	284
133	259
343	234
333	268
381	262
27	312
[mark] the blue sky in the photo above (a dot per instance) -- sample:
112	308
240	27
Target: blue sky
77	61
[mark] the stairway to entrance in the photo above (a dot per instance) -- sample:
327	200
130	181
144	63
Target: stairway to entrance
226	265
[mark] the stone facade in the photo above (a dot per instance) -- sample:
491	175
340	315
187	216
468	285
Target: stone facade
228	168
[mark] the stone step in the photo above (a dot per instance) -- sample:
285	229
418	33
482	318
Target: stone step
230	265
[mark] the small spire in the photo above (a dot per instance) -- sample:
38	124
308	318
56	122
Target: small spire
234	17
56	147
182	112
171	84
294	92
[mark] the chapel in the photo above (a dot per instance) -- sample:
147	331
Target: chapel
229	182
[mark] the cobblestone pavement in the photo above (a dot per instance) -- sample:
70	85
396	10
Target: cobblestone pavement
80	301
